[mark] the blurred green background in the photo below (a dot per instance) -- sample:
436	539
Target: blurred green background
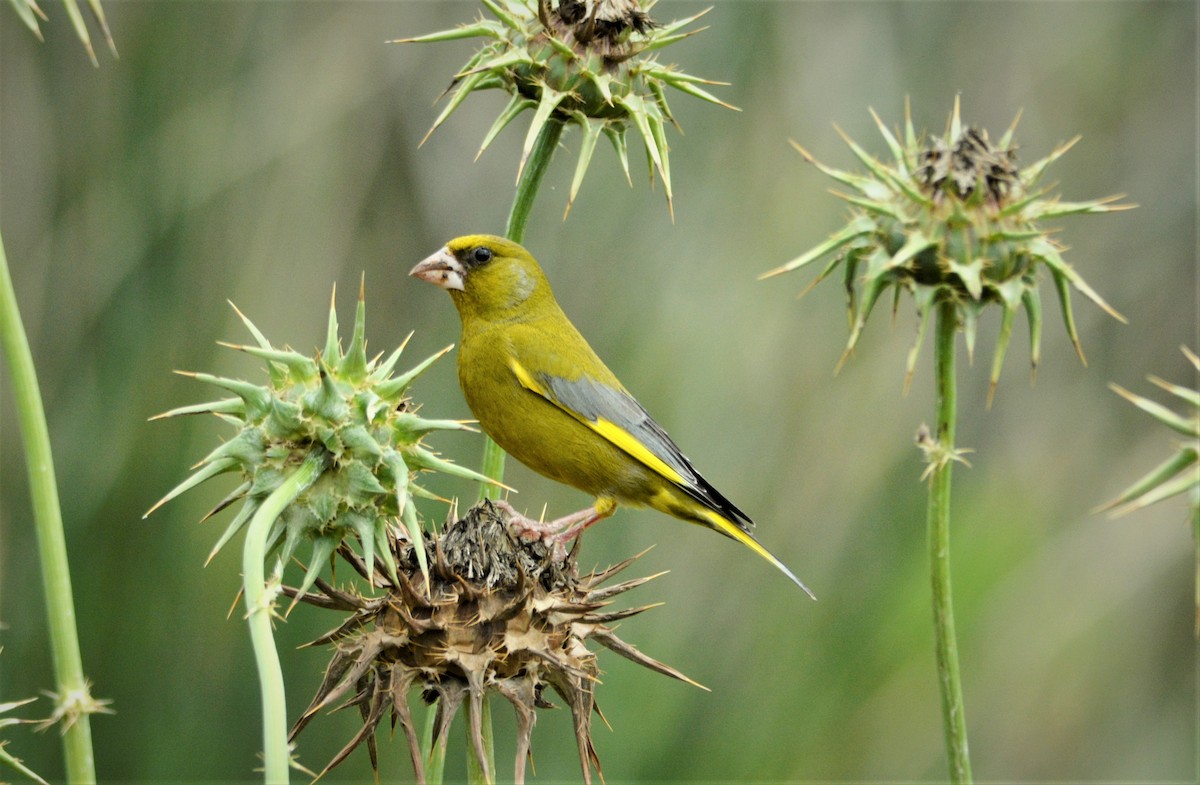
263	152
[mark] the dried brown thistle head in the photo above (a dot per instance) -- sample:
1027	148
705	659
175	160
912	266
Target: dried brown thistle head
502	616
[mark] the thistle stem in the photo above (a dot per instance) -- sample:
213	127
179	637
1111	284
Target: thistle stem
518	217
938	527
493	456
475	773
72	689
435	755
260	602
1196	540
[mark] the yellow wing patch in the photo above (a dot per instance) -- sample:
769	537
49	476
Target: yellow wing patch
629	443
614	433
526	379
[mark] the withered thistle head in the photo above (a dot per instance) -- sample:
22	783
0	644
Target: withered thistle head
588	63
503	616
953	218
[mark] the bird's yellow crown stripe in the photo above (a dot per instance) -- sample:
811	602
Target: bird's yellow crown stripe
609	430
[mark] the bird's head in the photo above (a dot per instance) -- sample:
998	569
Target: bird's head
487	276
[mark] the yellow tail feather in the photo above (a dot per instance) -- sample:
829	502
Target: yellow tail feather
733	530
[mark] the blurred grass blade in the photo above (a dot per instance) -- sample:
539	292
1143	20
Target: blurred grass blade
51	539
98	13
1182	425
1149	488
29	13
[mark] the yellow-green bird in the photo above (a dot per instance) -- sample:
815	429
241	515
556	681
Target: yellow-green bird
543	395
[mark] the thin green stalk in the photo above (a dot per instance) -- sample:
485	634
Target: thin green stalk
518	217
260	602
493	466
493	457
953	717
475	774
531	179
73	697
1196	540
435	756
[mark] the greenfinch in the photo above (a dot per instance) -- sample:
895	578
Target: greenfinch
539	390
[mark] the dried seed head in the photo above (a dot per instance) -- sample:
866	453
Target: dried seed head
952	218
503	616
958	167
601	26
589	63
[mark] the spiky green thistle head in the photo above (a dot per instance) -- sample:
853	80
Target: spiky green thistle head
347	413
953	218
589	63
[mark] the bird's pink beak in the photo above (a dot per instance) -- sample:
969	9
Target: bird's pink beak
441	269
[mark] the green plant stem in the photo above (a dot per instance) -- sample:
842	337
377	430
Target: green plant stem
1196	541
493	457
531	179
435	756
73	696
475	773
938	527
527	190
260	603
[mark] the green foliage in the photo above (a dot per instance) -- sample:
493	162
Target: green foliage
253	149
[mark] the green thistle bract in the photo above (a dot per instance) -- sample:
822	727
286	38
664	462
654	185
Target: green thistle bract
952	218
7	757
30	13
584	63
1177	474
351	415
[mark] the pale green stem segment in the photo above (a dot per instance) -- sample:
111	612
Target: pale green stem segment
531	178
493	456
71	686
475	774
260	603
527	190
435	757
1196	535
938	526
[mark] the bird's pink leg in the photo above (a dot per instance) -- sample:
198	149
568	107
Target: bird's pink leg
561	530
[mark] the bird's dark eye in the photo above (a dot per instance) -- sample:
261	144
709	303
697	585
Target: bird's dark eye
481	255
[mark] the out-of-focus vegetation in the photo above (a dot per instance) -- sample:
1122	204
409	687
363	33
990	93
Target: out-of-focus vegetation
262	151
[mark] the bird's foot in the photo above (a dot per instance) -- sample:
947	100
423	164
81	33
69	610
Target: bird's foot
559	532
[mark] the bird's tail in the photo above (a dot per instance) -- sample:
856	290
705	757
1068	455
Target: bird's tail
731	529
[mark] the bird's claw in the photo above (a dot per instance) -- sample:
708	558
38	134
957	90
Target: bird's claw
554	534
